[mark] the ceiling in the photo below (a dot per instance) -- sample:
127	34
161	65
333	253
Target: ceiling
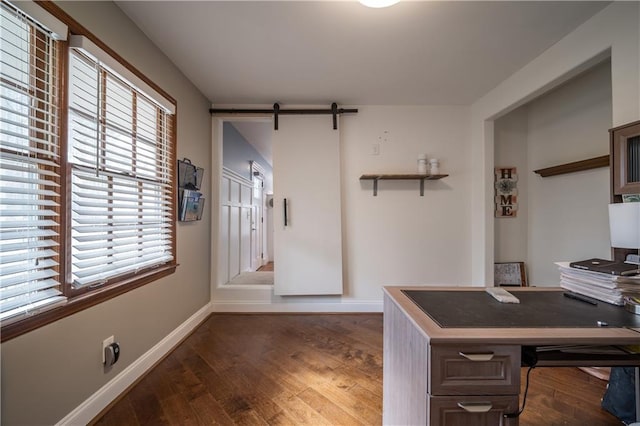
318	52
258	134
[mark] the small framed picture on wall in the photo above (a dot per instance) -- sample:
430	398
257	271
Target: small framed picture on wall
509	274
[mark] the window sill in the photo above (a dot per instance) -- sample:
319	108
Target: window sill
80	303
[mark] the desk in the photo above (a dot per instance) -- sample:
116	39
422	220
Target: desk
439	375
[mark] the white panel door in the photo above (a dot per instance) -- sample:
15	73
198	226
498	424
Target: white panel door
234	230
245	228
225	209
245	239
234	243
257	224
306	172
224	245
256	240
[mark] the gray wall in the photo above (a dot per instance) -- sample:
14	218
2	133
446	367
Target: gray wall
50	371
237	152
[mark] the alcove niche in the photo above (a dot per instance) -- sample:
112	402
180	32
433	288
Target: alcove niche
561	217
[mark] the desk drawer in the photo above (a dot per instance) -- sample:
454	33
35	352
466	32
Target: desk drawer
472	410
475	370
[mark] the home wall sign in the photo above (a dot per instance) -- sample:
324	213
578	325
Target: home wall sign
506	198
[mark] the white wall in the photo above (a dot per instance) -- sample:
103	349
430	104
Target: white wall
564	217
397	237
568	217
511	236
615	31
49	372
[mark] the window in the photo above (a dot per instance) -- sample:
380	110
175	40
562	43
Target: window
29	167
87	193
121	164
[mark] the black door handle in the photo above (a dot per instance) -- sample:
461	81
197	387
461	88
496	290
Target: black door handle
285	212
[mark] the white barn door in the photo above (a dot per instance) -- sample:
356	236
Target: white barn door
306	173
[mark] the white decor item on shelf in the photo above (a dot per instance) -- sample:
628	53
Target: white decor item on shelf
434	166
422	164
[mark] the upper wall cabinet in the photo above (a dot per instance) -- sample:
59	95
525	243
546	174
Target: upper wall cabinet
625	159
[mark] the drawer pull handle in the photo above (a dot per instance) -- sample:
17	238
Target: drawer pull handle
477	357
475	407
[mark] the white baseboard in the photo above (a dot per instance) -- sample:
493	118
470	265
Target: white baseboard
250	306
91	407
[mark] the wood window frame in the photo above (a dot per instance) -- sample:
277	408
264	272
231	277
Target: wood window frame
80	299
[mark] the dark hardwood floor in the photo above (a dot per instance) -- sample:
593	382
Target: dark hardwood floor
266	267
308	369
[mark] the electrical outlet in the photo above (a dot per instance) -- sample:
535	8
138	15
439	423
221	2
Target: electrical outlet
106	342
375	149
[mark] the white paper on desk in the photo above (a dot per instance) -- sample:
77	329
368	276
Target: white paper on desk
600	286
594	292
611	286
580	275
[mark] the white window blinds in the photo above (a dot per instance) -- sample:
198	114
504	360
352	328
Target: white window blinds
29	167
121	167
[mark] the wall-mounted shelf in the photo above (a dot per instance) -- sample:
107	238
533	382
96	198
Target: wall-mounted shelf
375	178
576	166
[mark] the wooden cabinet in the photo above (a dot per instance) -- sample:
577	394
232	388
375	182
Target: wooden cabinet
473	384
472	410
625	169
475	370
439	375
625	160
429	383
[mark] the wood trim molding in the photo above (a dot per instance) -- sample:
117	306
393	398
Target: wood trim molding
576	166
80	303
85	298
76	28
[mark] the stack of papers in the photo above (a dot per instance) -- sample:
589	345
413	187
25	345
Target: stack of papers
630	287
601	286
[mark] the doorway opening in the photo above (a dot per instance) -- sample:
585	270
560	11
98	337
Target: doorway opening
245	189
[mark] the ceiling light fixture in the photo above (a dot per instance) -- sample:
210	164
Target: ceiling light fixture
378	3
